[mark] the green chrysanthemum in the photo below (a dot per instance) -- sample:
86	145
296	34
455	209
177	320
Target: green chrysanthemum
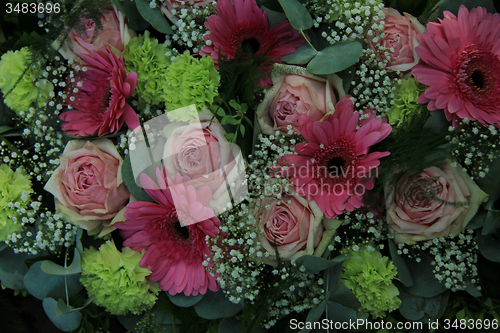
116	280
369	276
22	90
15	190
191	81
150	61
405	101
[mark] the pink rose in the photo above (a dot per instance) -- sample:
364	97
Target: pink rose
401	35
295	95
200	151
438	202
296	227
87	185
178	4
115	34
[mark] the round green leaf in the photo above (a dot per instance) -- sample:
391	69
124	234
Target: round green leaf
335	58
317	264
297	14
489	247
13	268
425	283
66	322
229	325
184	301
216	305
339	313
42	285
301	56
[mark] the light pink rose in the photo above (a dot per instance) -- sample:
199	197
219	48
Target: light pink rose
296	227
438	202
115	34
169	5
200	151
88	186
295	95
401	35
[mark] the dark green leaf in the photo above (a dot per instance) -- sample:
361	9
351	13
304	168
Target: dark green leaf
7	116
297	14
301	56
134	18
42	285
273	17
478	220
154	16
317	264
489	247
345	297
416	307
62	308
472	290
335	58
332	277
339	313
425	283
242	130
229	325
130	182
491	222
67	322
216	305
437	122
314	314
13	268
403	272
185	301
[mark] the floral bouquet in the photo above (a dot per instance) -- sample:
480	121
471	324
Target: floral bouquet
242	165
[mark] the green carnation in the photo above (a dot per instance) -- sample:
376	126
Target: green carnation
369	276
150	61
191	80
15	190
116	280
30	88
405	101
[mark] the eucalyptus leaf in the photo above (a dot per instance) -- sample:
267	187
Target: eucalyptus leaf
13	268
297	14
472	290
134	18
184	301
491	183
50	267
317	264
489	247
301	56
314	314
154	16
332	277
478	220
42	285
437	122
335	58
339	313
403	272
273	17
491	222
62	308
416	307
215	305
129	180
67	322
345	297
425	283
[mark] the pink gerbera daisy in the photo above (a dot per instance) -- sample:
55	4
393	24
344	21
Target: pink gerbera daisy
174	253
333	167
462	65
242	24
99	106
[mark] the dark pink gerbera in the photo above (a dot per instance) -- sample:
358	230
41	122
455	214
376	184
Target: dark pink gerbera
99	105
334	167
174	253
242	24
462	65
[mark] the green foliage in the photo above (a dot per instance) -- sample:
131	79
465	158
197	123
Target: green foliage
215	305
335	58
154	16
134	18
42	285
130	181
299	17
425	283
301	56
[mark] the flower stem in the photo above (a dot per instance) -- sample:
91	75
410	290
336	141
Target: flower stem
307	40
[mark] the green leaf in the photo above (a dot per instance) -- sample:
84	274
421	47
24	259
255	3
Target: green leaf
229	325
7	116
185	301
478	220
489	247
154	16
242	130
273	17
314	314
403	272
345	297
335	58
425	283
13	268
229	136
51	268
134	18
42	285
221	112
416	307
62	308
491	222
297	14
229	120
215	305
301	56
67	322
129	180
339	313
5	128
317	264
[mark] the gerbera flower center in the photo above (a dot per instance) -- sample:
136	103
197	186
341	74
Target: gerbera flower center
248	41
250	45
336	163
476	73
